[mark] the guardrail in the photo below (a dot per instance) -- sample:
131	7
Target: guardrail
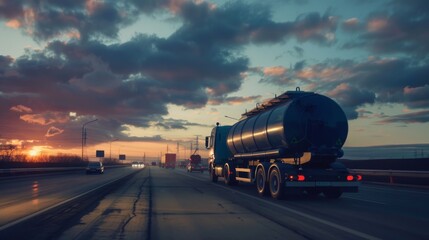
28	171
391	176
48	169
394	176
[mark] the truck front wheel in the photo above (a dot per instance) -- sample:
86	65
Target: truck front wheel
261	182
229	176
276	184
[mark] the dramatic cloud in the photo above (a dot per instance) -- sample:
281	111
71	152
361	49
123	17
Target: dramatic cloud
233	100
83	69
237	23
52	131
354	84
350	98
132	83
176	124
414	117
21	109
46	118
88	19
400	28
351	25
417	97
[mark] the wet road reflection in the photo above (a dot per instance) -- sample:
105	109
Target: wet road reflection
35	193
23	196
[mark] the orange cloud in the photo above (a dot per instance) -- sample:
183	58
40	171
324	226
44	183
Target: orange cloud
352	21
21	109
376	25
15	24
46	118
274	71
73	34
343	87
52	131
328	73
29	20
92	5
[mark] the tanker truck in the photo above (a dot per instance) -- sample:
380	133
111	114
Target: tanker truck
288	144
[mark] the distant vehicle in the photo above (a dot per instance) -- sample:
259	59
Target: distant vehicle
153	163
194	168
288	143
183	164
168	160
137	165
95	167
195	164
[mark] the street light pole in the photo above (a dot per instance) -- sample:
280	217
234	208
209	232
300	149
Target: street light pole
84	134
111	147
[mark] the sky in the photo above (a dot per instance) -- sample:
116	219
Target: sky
157	74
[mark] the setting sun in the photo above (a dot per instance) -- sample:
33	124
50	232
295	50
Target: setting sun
34	152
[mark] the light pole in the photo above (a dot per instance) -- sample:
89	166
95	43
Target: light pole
111	147
84	134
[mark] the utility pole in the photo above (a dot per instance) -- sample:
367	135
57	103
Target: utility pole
84	134
111	147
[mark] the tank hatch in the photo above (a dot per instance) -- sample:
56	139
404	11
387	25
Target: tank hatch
278	100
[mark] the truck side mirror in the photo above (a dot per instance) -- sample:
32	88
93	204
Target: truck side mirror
207	142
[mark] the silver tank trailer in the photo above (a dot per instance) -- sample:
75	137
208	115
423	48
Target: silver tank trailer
288	126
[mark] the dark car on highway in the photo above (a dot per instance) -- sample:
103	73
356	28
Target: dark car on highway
194	167
95	167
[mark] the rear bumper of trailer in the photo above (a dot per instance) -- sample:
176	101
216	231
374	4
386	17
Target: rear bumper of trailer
345	186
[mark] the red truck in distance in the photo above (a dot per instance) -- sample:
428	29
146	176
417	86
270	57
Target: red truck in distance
168	160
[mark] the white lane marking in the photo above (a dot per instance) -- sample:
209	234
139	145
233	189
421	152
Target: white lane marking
54	206
316	219
363	200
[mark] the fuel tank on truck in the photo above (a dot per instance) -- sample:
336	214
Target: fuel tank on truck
289	125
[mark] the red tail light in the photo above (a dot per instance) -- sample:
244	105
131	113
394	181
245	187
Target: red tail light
350	178
301	177
359	177
291	177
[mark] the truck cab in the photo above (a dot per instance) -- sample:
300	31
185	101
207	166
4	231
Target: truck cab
219	153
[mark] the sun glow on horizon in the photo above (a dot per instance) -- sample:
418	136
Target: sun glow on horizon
34	152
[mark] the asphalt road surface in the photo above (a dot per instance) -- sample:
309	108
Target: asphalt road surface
156	203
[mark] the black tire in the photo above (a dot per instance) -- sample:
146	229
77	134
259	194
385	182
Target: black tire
213	176
229	176
333	193
261	183
276	184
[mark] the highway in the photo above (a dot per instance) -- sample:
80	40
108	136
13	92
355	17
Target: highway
155	203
